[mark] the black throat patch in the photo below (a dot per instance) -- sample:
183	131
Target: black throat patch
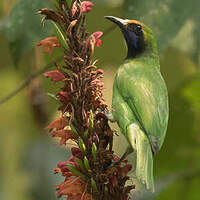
135	43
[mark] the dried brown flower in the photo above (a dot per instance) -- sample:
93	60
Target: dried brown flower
55	75
48	44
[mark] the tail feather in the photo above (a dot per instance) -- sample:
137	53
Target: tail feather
144	162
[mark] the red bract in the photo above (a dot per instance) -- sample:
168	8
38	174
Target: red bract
55	75
63	97
86	6
96	37
76	152
48	44
62	166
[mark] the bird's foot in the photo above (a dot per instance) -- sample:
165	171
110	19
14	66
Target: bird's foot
108	114
123	158
115	163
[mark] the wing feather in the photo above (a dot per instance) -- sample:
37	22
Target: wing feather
143	89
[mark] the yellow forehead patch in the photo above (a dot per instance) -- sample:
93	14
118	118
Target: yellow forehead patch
133	22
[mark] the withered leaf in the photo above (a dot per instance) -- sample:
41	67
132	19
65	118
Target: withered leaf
73	187
59	124
48	44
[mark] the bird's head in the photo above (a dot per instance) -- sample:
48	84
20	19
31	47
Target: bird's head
138	36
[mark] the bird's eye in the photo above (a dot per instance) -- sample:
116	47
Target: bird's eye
138	29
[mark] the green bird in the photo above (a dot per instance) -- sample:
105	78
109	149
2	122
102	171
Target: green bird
140	98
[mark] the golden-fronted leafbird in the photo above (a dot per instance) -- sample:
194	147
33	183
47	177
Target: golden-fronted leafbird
140	98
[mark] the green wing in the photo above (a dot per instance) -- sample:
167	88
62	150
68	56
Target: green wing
140	95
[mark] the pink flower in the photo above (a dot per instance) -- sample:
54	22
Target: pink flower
55	75
96	37
63	167
86	6
100	71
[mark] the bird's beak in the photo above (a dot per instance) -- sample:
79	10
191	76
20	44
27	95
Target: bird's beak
120	22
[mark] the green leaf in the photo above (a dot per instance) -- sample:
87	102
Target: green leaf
23	28
91	120
80	163
86	163
60	35
81	145
106	189
75	171
94	151
86	133
74	130
94	185
53	96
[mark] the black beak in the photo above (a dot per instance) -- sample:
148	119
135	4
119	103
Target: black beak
120	22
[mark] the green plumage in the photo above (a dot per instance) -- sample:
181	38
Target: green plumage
140	105
140	96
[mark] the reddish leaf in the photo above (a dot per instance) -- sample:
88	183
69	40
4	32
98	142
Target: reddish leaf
73	187
55	75
76	151
59	124
72	158
48	44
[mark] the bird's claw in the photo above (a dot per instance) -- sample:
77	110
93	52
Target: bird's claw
109	115
113	164
106	112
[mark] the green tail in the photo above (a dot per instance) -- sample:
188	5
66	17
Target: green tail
144	164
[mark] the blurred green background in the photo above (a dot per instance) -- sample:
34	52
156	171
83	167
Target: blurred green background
28	154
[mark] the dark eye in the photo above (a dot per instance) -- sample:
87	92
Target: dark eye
138	29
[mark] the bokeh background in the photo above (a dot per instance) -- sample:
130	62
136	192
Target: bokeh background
28	154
